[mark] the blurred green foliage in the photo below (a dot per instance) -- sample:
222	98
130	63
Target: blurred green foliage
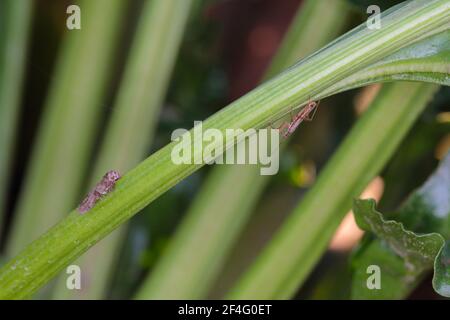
200	86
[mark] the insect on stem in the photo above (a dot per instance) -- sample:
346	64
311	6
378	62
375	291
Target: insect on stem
307	113
102	188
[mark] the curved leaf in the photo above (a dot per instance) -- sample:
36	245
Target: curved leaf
427	61
405	255
428	208
417	252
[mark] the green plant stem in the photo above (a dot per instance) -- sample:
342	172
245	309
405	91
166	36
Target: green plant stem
75	234
295	249
316	23
68	127
177	275
132	125
15	20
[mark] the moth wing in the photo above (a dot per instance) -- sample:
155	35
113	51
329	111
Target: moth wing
87	203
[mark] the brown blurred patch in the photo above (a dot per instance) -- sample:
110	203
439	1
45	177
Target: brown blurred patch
348	233
252	32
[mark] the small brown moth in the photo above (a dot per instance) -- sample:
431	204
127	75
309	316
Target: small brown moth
307	113
102	188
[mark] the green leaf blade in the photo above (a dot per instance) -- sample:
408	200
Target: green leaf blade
427	60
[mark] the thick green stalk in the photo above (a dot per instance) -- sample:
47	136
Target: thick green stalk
177	275
75	234
15	19
132	125
68	127
289	257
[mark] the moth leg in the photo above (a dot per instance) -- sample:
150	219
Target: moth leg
284	128
311	114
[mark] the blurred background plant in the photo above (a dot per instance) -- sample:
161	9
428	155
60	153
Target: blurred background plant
139	70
